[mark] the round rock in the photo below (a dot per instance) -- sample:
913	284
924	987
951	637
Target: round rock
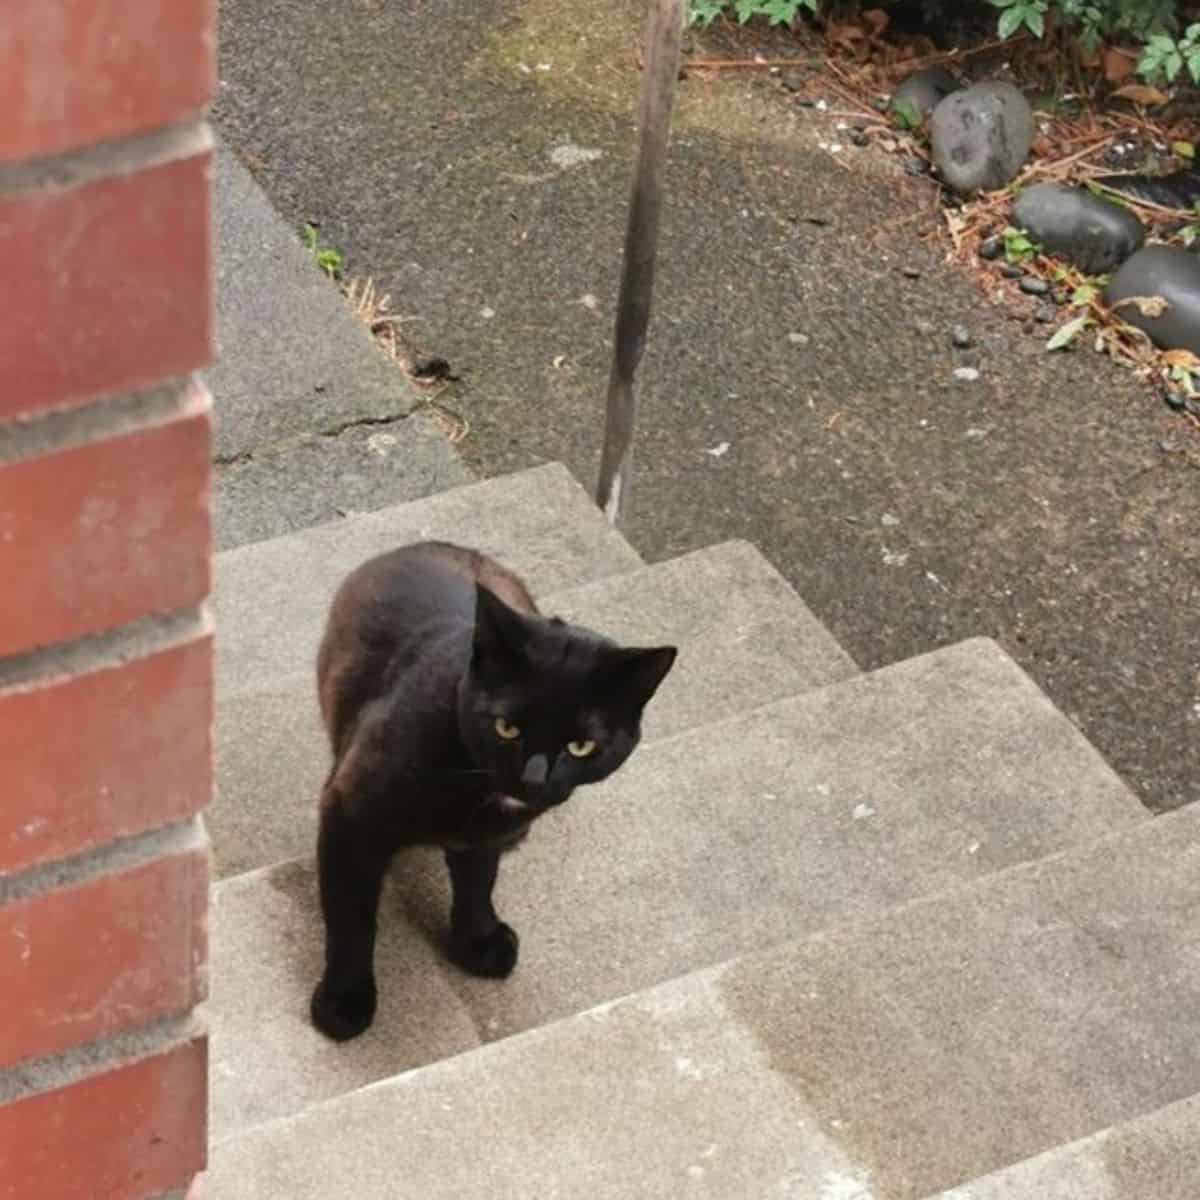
981	136
921	93
1094	234
1166	271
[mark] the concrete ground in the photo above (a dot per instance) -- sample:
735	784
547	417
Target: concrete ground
798	389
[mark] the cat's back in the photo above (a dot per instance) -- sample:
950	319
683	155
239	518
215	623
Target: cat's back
398	608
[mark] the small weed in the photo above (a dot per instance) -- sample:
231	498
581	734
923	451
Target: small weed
1018	247
906	115
1017	13
1191	231
1165	56
328	259
778	12
1069	332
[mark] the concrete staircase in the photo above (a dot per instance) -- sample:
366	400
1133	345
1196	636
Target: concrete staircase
828	935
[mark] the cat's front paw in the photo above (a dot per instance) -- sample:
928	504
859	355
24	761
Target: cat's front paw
492	954
341	1012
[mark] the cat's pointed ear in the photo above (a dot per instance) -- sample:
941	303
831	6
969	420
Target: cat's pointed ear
500	633
641	671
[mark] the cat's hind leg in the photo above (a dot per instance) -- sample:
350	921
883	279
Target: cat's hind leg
479	941
350	870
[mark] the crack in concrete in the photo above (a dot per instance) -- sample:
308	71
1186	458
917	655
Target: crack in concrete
309	438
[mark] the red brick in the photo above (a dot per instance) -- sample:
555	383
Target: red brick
83	71
105	754
100	534
132	1132
105	286
90	959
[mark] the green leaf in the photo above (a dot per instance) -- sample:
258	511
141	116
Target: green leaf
780	12
1183	149
308	235
1068	333
1010	20
907	115
1085	293
1035	22
704	12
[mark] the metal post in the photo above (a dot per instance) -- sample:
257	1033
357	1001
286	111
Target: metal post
664	34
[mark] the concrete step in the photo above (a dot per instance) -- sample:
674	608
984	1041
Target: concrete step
1155	1157
729	838
890	1058
272	597
746	639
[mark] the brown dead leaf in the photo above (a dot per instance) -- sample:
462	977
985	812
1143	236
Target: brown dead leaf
1181	358
846	34
1118	64
1142	94
1148	306
1043	147
876	20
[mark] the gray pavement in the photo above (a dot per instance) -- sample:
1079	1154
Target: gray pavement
474	159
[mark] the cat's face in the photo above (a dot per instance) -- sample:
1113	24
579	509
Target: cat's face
546	707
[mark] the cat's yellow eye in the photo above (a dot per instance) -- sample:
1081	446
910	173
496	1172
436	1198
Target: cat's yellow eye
581	749
506	729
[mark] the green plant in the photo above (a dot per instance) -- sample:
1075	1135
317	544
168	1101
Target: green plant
1028	13
328	259
1017	247
777	12
1064	336
906	115
1191	231
1165	56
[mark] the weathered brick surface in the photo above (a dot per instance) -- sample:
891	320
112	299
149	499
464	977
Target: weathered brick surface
127	1133
105	754
94	958
101	534
83	71
105	286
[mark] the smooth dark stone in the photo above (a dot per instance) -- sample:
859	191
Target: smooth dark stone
858	137
981	136
991	248
1034	286
1180	189
1011	272
1045	313
916	166
1094	234
1176	400
1166	271
923	91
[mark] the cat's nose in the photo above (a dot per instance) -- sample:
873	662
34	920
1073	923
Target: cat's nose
537	768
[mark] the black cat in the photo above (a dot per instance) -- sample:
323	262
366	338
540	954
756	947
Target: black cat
457	715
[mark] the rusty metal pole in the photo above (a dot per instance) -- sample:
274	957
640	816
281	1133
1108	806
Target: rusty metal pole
664	34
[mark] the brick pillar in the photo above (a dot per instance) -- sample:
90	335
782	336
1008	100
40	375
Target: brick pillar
105	642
